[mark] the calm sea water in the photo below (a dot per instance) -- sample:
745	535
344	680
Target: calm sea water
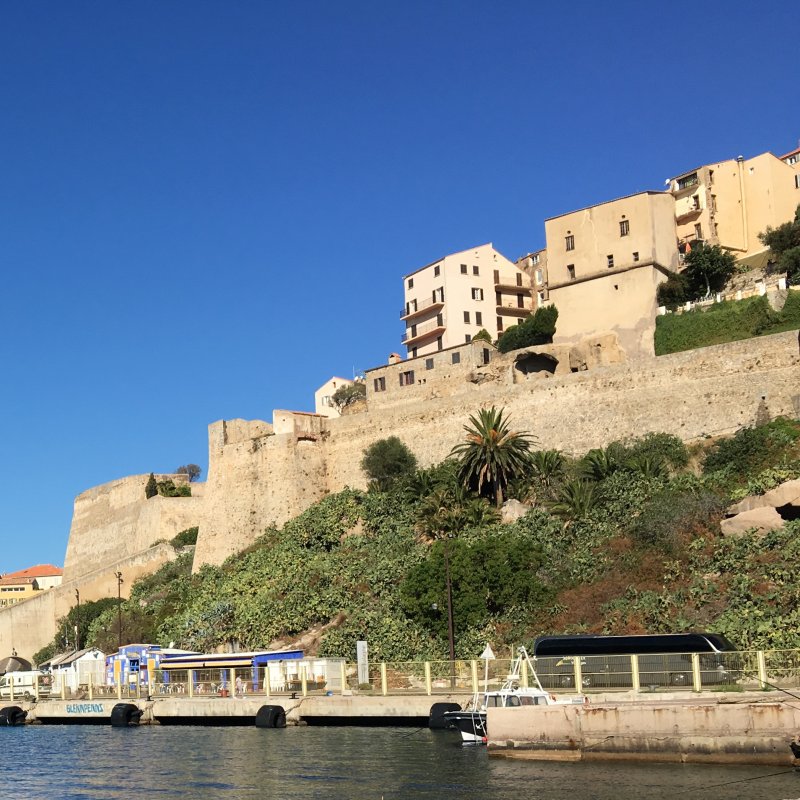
390	763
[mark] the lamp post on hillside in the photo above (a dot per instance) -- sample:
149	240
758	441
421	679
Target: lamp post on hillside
118	576
77	619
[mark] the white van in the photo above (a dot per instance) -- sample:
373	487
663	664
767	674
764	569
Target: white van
22	684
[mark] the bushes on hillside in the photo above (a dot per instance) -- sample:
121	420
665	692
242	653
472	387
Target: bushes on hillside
724	322
387	461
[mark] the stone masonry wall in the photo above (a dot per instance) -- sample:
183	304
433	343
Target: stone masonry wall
28	626
715	390
115	521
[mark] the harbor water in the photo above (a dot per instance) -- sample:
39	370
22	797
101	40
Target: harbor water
390	763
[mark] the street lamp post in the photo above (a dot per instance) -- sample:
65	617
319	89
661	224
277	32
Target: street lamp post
118	576
77	619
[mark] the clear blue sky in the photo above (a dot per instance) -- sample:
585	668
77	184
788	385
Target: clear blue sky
206	207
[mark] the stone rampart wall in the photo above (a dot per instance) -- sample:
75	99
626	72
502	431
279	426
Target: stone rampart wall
28	626
715	390
115	521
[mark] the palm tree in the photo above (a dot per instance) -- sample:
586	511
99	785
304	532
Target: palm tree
492	454
575	499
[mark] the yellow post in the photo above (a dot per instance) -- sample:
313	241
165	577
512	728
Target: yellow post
190	675
524	676
304	679
384	685
428	685
578	674
119	689
91	687
762	669
697	684
138	688
266	680
343	675
473	668
11	685
232	690
635	673
36	688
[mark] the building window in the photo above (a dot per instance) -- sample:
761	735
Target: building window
797	181
439	344
455	358
570	241
463	269
687	181
520	301
475	271
636	256
496	277
477	294
487	354
698	231
711	177
436	271
413	352
571	271
610	261
379	384
466	317
428	363
438	295
713	202
499	324
535	258
410	283
478	318
467	338
695	202
407	378
624	227
538	277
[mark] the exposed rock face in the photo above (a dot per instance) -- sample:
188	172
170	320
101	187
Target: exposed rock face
761	520
596	352
787	494
512	510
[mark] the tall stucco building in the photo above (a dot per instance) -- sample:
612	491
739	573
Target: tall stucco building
729	203
323	397
604	263
449	300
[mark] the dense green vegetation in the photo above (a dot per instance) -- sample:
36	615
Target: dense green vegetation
784	241
725	322
538	328
624	539
707	269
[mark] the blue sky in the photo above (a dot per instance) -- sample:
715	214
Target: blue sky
206	207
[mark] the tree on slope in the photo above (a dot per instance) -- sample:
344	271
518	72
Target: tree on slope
784	241
492	454
387	460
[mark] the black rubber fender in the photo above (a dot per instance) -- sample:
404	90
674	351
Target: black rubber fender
12	715
271	717
436	720
125	714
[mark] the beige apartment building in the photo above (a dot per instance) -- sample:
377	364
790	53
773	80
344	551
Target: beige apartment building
535	266
729	203
448	301
604	264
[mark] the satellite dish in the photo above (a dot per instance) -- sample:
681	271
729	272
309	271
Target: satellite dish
487	654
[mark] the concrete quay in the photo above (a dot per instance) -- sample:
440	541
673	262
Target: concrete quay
310	710
746	728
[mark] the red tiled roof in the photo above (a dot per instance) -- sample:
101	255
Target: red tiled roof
39	571
16	581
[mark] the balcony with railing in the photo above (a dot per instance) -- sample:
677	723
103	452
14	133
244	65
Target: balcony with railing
414	308
513	309
427	330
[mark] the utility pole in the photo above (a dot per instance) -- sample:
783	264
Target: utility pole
77	619
118	576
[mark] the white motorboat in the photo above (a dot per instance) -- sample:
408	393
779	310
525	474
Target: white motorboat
471	720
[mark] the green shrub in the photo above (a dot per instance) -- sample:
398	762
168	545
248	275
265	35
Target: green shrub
752	449
538	328
387	461
168	488
185	538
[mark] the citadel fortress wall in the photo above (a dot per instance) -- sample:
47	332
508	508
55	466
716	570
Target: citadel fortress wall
263	474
